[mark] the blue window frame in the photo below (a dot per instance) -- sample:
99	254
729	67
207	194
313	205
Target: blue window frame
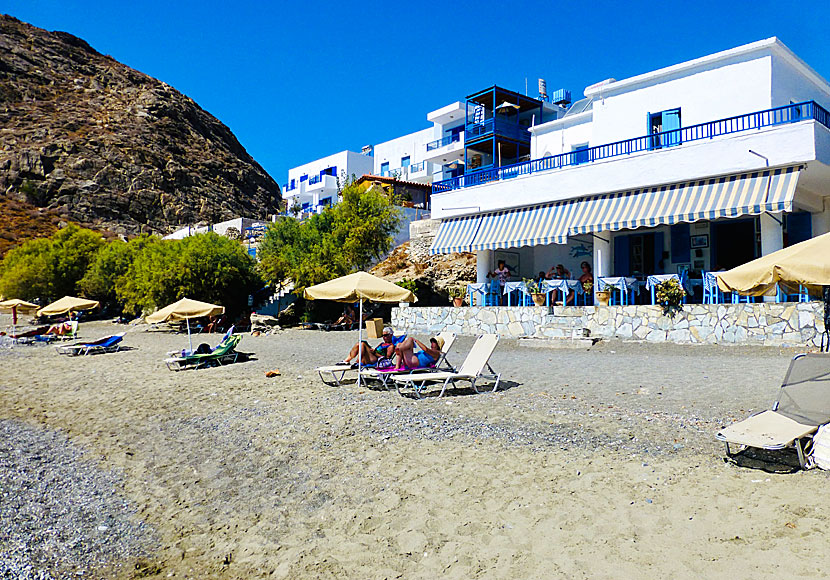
329	171
405	161
580	153
303	178
384	168
306	206
326	201
665	126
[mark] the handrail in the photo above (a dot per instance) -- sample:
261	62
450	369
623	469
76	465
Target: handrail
767	118
314	179
437	144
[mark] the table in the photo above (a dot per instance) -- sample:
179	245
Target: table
564	286
510	287
477	288
621	283
656	279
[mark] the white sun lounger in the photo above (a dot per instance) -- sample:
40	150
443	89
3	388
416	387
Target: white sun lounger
803	405
441	364
471	370
336	373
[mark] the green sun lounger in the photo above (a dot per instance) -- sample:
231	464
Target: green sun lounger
224	353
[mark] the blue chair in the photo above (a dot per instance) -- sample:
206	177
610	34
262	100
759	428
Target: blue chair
801	296
493	295
711	293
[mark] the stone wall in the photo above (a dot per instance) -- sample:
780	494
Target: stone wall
786	324
421	235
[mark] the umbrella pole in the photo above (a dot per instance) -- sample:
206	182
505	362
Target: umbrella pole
189	339
359	341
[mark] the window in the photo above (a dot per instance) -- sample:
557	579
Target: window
329	171
579	154
405	161
326	201
665	126
303	178
384	168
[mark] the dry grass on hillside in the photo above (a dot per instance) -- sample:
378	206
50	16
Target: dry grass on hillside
22	221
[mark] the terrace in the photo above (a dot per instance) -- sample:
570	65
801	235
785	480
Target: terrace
808	110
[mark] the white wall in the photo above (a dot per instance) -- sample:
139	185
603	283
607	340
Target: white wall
790	84
725	90
348	161
562	137
413	145
783	145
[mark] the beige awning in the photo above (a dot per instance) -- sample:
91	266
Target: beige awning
806	263
184	309
357	286
67	304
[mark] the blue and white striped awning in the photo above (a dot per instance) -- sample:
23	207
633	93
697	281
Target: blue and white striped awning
527	226
455	235
768	191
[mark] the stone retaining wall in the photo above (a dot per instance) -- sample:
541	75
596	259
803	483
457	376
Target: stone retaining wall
786	324
421	235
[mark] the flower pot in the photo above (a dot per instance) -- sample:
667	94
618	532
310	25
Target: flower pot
458	302
603	297
539	298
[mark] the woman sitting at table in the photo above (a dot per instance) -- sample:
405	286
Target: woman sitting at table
559	272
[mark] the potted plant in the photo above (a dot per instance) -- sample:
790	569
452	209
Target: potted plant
669	295
457	294
410	285
535	292
603	297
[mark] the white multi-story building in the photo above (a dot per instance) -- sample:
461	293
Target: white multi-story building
702	165
314	185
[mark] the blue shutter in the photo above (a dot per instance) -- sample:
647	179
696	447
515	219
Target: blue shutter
799	227
621	257
671	122
658	253
680	243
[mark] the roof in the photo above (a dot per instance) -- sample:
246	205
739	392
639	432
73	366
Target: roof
393	181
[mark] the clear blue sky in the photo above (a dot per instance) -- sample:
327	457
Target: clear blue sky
299	80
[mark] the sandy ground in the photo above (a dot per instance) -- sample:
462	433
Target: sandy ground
595	463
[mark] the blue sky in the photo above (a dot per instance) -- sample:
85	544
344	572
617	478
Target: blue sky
299	80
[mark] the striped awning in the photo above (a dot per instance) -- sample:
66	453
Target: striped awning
455	235
768	191
527	226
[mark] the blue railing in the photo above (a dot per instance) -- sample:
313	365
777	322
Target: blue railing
767	118
416	167
509	129
444	142
315	179
288	187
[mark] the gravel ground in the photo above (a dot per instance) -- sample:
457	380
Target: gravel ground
592	463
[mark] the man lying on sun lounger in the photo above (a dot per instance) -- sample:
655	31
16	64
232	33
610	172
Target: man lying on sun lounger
386	349
406	357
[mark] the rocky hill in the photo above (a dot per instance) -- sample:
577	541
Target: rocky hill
97	142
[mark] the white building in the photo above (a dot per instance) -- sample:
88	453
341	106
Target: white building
315	185
701	165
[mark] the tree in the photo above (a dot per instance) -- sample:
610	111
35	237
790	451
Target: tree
341	239
111	263
204	267
49	267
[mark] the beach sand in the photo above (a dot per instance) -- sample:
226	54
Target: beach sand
597	463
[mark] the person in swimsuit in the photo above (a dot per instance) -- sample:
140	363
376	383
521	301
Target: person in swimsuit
408	358
386	349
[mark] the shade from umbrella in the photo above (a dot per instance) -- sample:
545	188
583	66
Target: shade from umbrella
806	263
67	304
359	286
184	309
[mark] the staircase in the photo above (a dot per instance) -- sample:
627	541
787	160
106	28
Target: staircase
279	301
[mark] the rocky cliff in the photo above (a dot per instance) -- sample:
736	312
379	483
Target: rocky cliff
105	145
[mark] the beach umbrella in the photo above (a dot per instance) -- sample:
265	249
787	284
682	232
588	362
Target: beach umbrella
806	263
185	309
16	305
67	304
358	287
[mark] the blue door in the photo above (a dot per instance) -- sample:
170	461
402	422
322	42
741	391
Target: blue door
671	127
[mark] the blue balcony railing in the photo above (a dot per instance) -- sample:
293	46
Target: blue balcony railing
808	110
314	179
417	167
444	142
503	128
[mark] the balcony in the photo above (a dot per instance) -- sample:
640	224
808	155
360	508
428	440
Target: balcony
503	128
668	140
450	148
318	183
420	172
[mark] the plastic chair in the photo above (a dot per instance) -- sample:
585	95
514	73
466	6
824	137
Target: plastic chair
801	296
491	298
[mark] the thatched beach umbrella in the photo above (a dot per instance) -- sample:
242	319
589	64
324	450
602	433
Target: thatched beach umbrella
185	309
358	287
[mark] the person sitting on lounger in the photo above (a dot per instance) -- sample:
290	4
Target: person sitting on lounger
409	358
386	349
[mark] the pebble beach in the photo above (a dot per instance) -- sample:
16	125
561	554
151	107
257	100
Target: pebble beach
593	462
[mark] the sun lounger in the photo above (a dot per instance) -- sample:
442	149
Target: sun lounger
385	375
185	352
472	369
803	405
111	343
28	336
225	353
